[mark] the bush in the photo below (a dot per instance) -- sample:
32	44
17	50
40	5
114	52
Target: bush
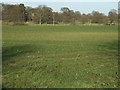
19	23
52	22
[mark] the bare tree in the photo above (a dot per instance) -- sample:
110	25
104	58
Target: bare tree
113	16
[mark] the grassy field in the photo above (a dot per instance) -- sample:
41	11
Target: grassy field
60	56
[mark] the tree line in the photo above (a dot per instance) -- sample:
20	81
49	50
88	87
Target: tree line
42	14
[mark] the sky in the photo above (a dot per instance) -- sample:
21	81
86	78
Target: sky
83	7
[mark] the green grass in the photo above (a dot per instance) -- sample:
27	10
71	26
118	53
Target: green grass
60	56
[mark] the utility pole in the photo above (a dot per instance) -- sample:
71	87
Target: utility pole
17	15
23	16
53	19
40	19
32	16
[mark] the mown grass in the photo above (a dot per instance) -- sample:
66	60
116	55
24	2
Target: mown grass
60	56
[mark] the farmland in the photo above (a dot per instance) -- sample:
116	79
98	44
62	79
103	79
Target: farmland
73	56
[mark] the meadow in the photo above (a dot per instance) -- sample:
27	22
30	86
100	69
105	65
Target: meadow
72	56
